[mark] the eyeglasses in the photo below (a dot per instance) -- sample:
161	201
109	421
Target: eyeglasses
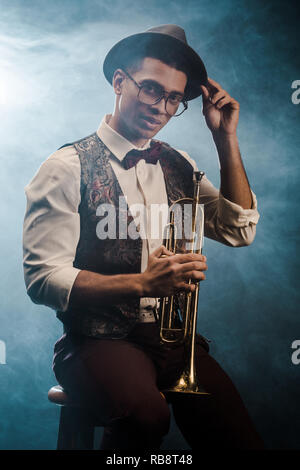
151	93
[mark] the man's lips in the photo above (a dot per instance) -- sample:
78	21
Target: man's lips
151	121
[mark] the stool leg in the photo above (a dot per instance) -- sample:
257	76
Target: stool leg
67	435
86	436
74	430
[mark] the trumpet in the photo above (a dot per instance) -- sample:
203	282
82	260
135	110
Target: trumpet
178	313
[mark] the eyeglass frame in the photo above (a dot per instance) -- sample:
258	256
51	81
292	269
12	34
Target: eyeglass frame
163	96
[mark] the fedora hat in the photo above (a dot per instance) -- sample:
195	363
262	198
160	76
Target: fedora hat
163	41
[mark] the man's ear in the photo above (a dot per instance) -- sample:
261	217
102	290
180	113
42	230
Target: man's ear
117	82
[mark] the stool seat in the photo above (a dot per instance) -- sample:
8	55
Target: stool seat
59	396
77	421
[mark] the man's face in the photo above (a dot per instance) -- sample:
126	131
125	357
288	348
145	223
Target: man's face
138	121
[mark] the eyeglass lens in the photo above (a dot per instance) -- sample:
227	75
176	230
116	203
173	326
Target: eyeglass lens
149	94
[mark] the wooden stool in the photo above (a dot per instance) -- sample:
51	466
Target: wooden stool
76	424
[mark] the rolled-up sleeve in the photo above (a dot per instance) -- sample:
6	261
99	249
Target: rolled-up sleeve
51	230
226	221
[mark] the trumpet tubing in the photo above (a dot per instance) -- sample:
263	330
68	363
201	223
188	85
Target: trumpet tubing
178	313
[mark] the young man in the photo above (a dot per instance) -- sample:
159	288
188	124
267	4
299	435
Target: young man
106	290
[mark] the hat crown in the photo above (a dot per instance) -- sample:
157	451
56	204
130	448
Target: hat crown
163	41
171	30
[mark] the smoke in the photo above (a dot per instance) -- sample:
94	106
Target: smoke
52	91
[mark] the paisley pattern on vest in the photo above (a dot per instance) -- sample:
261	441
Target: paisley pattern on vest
100	185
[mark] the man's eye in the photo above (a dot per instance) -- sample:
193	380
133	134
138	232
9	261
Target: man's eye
175	99
148	88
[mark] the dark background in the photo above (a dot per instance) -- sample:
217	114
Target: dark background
52	91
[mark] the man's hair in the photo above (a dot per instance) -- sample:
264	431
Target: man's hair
132	61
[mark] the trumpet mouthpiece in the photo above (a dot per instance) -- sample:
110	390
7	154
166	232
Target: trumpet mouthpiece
198	175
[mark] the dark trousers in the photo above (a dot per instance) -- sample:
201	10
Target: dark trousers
121	380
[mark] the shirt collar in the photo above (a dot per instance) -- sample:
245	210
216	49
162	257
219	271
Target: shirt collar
116	143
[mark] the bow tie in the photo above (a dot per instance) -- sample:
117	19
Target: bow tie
151	155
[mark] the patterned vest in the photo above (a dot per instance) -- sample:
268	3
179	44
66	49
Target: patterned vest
99	185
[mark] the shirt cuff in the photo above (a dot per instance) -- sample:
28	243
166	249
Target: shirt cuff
234	215
58	286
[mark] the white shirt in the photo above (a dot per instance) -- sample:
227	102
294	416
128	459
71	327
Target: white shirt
52	222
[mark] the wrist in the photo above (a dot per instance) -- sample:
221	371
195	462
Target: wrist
228	150
221	137
142	285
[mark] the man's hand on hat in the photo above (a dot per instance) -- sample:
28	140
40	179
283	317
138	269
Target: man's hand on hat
220	110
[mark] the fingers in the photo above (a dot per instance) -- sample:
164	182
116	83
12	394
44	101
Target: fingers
191	270
206	99
218	96
222	102
213	84
161	250
194	276
180	258
205	92
193	266
189	257
222	98
184	287
179	272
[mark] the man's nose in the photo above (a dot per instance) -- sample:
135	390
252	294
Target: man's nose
159	107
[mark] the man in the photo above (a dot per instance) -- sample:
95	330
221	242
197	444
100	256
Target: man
106	290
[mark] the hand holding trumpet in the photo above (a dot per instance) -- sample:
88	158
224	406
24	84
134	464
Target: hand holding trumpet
168	273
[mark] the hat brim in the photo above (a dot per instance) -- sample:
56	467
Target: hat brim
146	43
